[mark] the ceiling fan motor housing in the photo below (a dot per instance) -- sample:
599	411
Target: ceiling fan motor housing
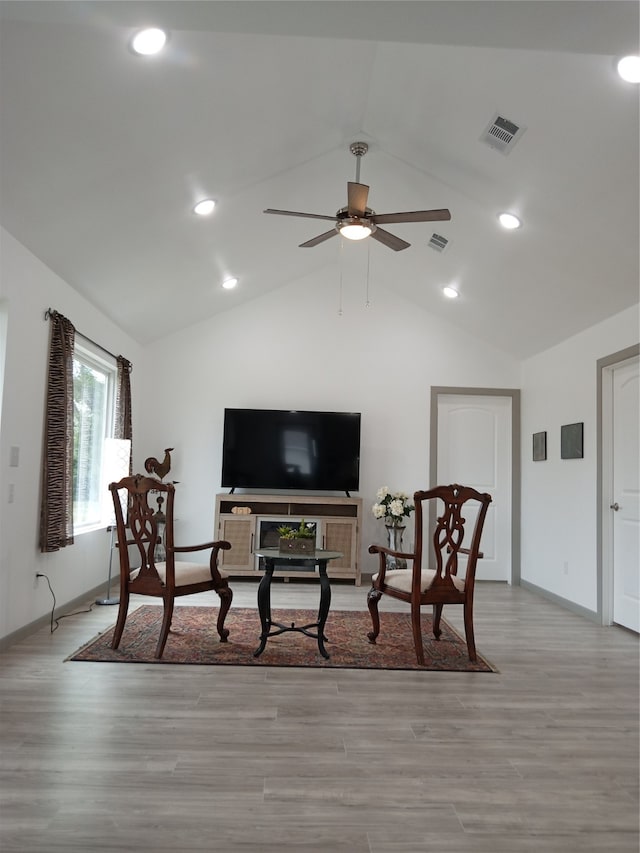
344	220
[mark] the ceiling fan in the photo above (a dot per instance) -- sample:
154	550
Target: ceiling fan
357	221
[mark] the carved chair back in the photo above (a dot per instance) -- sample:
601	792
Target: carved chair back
449	511
143	527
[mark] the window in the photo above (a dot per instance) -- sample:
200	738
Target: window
94	386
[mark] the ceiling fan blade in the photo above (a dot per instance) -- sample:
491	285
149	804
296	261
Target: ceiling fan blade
357	195
414	216
319	239
389	240
306	215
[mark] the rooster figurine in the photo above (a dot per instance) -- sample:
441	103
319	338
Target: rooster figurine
160	469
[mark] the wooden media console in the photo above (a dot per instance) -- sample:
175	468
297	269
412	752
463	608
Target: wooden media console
244	519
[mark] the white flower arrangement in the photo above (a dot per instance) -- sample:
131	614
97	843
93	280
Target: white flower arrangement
394	507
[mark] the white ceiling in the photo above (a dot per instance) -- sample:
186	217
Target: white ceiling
103	153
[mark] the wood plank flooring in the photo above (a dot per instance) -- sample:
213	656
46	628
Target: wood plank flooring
542	756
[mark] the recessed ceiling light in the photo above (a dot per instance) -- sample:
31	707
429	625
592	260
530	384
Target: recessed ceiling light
509	220
204	207
450	292
229	283
148	42
629	69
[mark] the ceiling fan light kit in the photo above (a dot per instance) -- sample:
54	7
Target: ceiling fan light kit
356	221
355	229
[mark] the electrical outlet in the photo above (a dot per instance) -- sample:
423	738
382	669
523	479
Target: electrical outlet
565	567
36	578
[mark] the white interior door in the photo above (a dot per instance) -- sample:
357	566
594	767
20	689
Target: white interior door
626	496
474	449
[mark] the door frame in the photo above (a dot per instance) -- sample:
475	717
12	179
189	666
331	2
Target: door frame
514	394
604	477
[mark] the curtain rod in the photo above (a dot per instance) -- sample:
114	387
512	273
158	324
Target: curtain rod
51	311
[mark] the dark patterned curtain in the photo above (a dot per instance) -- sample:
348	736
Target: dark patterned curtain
56	507
123	428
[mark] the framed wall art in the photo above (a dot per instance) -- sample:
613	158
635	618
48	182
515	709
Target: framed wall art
539	446
571	441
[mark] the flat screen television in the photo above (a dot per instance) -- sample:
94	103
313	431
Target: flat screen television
291	450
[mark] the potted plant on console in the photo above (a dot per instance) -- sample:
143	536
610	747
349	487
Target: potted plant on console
298	540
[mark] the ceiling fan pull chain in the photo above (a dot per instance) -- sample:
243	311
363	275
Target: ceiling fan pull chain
367	303
340	286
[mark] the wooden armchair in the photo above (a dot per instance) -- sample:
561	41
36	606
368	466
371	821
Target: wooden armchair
439	583
167	578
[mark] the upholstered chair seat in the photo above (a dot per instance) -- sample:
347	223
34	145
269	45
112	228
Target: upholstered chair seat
185	573
402	580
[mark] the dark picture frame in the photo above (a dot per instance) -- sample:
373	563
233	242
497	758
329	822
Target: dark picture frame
539	446
572	441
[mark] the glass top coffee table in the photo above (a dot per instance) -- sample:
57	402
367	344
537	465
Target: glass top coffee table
268	559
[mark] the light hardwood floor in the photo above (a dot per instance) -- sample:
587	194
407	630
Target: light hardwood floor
540	757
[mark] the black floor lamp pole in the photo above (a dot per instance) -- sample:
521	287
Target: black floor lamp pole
107	599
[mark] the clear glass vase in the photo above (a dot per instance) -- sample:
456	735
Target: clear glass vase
395	533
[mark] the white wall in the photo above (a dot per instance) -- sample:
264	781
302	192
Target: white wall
27	289
559	496
290	349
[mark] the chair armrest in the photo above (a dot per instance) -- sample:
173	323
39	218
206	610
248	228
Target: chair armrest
221	545
214	547
384	552
468	551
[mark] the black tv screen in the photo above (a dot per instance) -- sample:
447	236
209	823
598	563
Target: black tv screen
291	450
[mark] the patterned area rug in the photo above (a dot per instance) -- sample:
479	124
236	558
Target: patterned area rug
194	640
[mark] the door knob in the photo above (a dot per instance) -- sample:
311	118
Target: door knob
615	507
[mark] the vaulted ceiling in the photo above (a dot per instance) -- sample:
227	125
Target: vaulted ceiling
103	154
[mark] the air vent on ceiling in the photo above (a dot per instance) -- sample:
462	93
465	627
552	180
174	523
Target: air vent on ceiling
438	242
502	134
